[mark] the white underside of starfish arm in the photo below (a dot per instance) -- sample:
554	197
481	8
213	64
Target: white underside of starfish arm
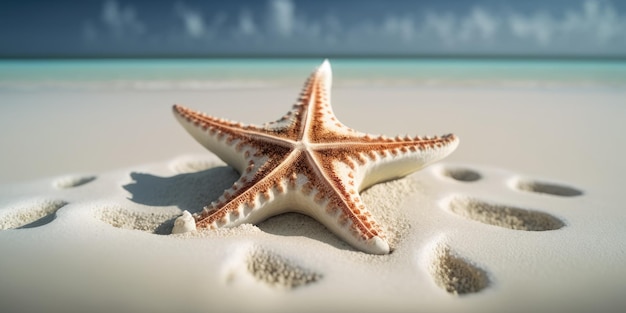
217	143
296	201
340	227
392	167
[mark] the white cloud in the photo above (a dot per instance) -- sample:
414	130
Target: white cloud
595	22
592	24
115	22
539	27
197	25
281	16
479	24
587	26
192	20
121	21
402	27
246	25
332	28
579	26
441	26
596	19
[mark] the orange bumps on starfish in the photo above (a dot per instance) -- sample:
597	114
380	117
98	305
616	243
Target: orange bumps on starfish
308	162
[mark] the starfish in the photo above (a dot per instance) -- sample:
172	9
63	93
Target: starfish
306	162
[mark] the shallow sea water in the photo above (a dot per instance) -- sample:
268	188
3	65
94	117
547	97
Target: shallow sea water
208	74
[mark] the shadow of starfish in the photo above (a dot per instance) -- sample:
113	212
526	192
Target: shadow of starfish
193	191
188	191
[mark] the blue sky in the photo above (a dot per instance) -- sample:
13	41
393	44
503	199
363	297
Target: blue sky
323	27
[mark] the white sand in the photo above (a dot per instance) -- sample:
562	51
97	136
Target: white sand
527	215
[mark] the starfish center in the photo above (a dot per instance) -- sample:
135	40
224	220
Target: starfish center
301	146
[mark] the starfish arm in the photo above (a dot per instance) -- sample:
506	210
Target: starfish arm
345	213
319	120
292	124
241	204
255	196
378	159
408	156
230	141
347	218
328	194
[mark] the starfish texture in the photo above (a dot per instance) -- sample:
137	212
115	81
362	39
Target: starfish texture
306	162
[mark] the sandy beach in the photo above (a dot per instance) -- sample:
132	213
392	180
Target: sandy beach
524	216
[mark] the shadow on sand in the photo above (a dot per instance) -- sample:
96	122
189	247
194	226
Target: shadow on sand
193	191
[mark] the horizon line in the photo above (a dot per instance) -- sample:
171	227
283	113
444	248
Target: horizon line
548	57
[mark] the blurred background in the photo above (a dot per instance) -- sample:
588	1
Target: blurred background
323	28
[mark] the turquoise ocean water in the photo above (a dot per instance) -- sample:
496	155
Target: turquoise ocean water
172	74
